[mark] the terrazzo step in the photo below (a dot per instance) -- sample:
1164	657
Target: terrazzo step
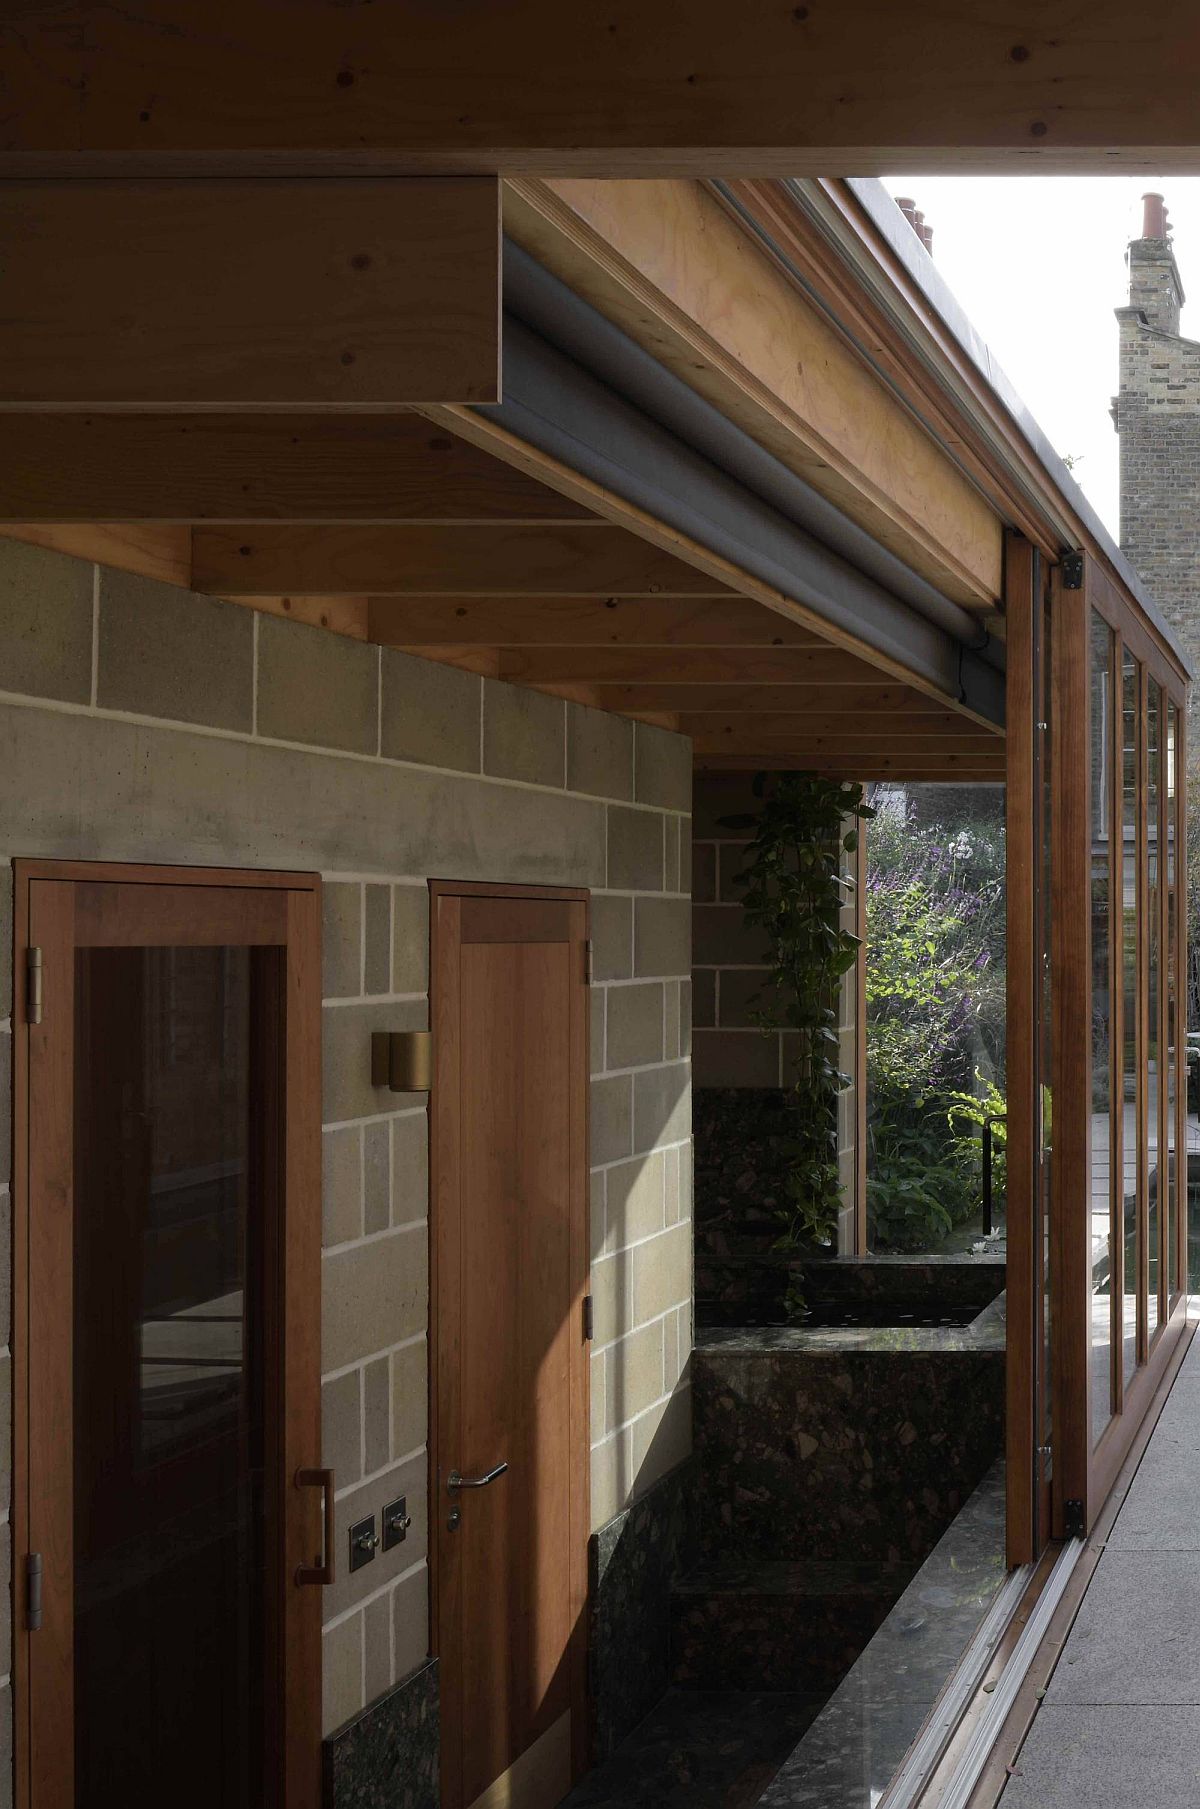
770	1624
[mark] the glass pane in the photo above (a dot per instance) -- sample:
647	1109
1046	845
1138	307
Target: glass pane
169	1441
1044	1040
1171	970
1104	1193
1152	1060
1129	1002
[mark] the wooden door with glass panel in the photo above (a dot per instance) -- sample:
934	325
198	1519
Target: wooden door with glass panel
168	1524
1120	1092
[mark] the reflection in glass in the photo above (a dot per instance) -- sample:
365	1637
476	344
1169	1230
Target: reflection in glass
1170	968
1129	1003
1152	1060
1104	1192
169	1442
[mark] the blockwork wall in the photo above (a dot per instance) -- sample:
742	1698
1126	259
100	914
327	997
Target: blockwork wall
141	723
729	969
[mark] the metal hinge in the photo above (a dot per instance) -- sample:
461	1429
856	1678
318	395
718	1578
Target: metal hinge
1072	571
33	985
588	964
1073	1524
33	1590
589	1318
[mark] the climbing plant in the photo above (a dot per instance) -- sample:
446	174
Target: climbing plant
795	891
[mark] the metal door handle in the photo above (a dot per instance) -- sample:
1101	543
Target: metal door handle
321	1572
454	1481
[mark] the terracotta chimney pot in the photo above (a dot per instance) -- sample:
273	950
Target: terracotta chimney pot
1154	217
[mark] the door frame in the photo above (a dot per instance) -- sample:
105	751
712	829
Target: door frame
443	1172
298	1326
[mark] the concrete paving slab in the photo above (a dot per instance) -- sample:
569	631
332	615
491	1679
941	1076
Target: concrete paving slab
1160	1512
1108	1758
1134	1639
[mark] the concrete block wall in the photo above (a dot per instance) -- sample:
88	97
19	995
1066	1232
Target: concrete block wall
729	969
139	722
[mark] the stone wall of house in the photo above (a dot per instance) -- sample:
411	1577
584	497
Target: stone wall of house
1157	415
728	971
139	722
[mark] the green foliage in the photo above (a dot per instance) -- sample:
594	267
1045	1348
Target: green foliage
935	1005
795	891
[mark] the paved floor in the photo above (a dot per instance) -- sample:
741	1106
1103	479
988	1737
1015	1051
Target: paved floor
1120	1724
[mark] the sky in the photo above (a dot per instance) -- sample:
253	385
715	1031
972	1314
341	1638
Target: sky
1038	264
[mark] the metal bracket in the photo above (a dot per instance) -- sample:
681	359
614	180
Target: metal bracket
1073	1522
1072	571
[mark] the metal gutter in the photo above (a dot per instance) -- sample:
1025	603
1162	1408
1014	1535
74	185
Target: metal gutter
580	390
1075	511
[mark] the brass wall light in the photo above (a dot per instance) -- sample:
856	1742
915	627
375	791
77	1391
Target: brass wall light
402	1060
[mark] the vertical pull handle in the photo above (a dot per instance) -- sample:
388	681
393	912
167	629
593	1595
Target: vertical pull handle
321	1573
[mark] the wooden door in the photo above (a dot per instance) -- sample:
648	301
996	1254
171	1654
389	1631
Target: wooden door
166	1344
509	1213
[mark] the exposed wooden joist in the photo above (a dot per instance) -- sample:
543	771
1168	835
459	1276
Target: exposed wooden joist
853	87
680	666
258	468
851	746
583	622
152	552
886	701
249	295
859	725
860	767
581	558
667	263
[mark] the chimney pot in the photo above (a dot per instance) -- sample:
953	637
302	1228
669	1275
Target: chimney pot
1154	217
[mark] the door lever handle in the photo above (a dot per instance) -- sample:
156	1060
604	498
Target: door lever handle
454	1481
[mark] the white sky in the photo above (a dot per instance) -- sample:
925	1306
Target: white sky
1038	263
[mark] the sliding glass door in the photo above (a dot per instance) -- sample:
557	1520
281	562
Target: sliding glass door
1119	1198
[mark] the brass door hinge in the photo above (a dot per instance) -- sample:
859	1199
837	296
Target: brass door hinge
33	985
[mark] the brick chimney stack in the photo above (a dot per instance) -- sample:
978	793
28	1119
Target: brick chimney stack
1157	415
1155	288
916	220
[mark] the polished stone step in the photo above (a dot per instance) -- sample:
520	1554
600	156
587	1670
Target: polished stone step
777	1625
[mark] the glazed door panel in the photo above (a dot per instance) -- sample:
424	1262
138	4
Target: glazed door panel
168	1389
1119	1196
510	1108
1030	843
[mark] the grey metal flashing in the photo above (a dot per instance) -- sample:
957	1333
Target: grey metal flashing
883	213
618	417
